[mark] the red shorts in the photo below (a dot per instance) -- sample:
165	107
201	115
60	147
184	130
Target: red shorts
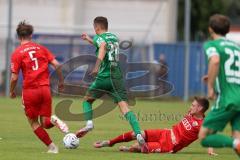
37	102
159	140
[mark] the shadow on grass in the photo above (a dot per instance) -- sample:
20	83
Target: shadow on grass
203	153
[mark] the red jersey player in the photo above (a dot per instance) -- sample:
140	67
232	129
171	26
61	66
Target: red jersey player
33	60
166	140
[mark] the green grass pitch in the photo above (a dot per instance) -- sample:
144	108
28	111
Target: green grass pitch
18	141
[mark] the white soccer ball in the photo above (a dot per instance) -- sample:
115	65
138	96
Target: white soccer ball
70	141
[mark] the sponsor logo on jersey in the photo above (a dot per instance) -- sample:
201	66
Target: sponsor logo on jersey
186	124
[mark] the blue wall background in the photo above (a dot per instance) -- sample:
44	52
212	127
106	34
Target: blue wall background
175	59
71	46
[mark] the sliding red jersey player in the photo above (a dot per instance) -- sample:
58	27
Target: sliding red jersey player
166	140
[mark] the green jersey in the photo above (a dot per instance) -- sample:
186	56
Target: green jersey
110	65
227	83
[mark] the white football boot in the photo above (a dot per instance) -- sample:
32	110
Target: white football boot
59	124
52	148
83	131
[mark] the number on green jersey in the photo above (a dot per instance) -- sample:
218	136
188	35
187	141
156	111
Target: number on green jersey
113	53
232	73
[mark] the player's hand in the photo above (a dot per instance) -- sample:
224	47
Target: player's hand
84	36
12	95
211	94
205	79
94	72
211	152
60	86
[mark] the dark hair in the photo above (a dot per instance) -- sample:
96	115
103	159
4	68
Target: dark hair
24	30
220	24
102	22
203	102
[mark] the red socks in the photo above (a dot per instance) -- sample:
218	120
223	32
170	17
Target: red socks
47	123
43	136
125	137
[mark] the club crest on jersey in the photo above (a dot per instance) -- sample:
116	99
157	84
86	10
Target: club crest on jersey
195	123
186	124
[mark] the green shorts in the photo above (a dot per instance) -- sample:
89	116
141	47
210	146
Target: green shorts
113	87
218	118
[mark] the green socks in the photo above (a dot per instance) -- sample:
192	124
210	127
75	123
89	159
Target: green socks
87	109
130	116
217	141
132	119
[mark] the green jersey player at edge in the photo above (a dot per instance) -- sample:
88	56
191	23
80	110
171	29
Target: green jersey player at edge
223	83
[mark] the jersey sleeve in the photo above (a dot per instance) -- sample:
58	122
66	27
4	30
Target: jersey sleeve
16	60
97	40
210	50
49	55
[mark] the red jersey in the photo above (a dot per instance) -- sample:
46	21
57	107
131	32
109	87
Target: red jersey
33	60
186	131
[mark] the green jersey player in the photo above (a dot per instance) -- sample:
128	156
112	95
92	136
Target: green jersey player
109	79
223	82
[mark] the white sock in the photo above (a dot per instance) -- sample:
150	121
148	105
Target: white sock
89	124
235	142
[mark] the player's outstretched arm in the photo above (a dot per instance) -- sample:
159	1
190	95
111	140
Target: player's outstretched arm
13	83
58	68
213	69
101	55
85	37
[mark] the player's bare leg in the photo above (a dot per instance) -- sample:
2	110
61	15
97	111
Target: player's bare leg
204	132
87	107
236	134
236	143
42	135
130	116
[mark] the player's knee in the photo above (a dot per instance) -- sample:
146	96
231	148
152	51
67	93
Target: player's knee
143	134
236	134
46	125
201	135
34	125
42	124
88	99
204	132
133	134
123	107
